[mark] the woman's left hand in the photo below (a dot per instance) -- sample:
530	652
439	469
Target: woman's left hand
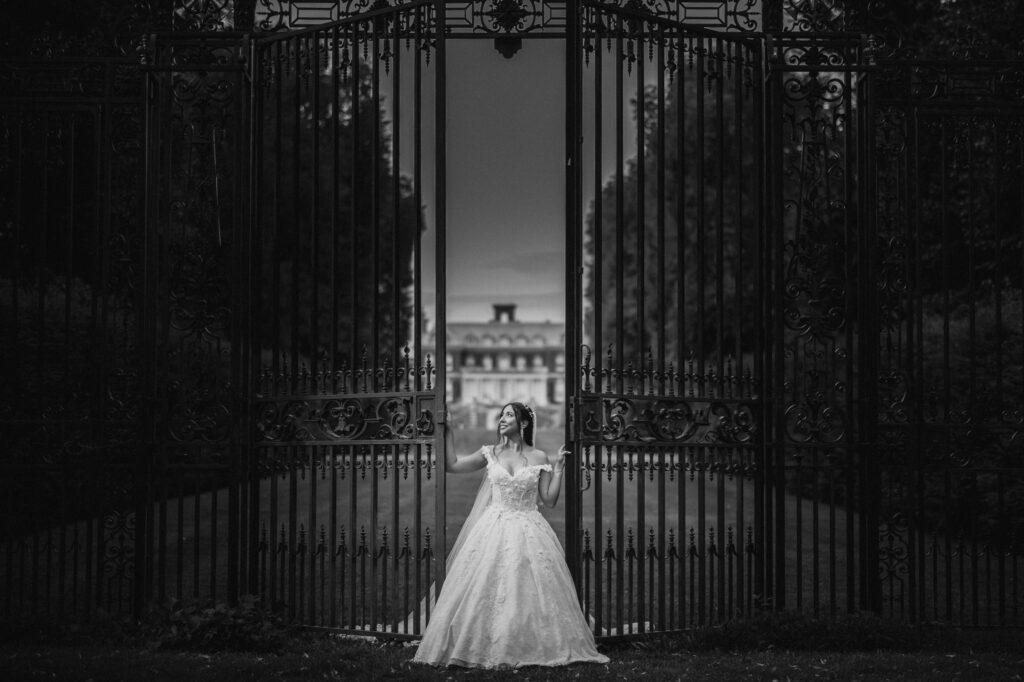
558	461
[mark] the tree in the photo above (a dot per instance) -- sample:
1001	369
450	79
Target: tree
706	253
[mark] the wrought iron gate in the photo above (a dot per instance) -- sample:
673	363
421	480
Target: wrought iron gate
786	393
667	405
949	172
70	164
348	487
190	509
819	542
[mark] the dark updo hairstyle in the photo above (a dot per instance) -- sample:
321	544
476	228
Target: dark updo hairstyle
523	419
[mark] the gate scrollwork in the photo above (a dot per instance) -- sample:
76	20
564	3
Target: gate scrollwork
345	418
637	419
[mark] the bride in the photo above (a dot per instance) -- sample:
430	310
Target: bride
508	599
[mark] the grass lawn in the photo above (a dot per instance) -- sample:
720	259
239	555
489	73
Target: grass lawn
863	650
318	502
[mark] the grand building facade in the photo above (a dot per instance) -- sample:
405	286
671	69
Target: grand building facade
492	363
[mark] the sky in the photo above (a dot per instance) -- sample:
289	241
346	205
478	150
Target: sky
505	184
505	180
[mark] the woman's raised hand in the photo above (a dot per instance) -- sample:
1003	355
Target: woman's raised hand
559	459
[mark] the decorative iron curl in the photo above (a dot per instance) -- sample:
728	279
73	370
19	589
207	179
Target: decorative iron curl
815	90
893	552
815	423
343	419
636	419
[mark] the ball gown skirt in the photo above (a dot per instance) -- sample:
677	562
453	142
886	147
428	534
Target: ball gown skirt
508	599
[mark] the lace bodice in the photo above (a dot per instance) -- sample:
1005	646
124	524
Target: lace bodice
517	491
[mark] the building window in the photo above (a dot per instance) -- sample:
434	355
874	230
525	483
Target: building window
504	361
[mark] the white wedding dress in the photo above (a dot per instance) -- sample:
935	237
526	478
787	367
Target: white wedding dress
508	599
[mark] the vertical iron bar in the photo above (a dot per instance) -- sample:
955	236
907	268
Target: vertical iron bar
777	538
620	535
277	212
374	452
573	279
701	226
272	458
332	529
683	44
293	455
662	300
662	330
395	499
702	534
418	304
598	240
314	457
353	525
213	537
641	526
721	350
397	233
440	220
296	189
335	217
417	190
355	173
720	57
947	252
598	298
973	401
314	226
641	230
641	313
620	257
849	251
375	209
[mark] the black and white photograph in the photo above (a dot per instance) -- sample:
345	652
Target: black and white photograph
511	340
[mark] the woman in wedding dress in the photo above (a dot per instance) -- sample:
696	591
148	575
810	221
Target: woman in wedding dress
508	599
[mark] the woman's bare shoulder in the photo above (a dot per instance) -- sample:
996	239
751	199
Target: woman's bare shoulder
536	456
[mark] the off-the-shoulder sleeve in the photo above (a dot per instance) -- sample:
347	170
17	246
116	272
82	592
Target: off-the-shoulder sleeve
488	451
545	467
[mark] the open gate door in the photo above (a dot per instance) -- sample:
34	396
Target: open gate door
348	494
665	318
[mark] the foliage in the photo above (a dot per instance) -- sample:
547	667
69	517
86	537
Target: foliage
174	625
308	273
708	225
248	626
796	631
859	647
102	28
948	28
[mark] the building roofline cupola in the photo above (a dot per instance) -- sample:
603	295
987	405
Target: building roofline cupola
504	312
